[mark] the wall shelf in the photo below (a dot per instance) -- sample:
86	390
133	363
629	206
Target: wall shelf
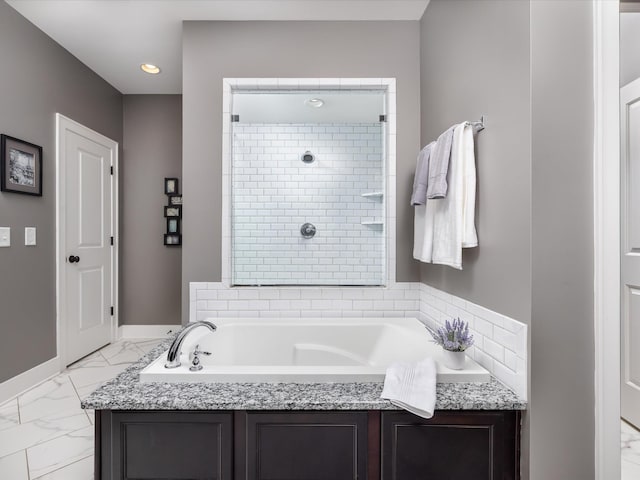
372	194
372	223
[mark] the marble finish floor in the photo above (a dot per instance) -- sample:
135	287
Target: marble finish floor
44	434
630	449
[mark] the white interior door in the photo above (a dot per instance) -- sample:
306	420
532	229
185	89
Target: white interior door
630	251
86	227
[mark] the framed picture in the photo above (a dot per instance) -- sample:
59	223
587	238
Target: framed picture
175	199
171	186
20	166
173	211
173	225
172	239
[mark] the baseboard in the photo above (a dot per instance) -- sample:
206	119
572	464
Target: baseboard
27	380
146	331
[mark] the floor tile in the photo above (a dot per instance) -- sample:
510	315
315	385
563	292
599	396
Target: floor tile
86	379
94	358
630	471
91	414
41	430
52	455
45	433
630	444
123	352
9	416
53	396
147	344
80	470
14	467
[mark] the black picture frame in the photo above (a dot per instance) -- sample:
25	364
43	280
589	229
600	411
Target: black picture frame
173	211
171	186
175	200
172	239
173	225
20	166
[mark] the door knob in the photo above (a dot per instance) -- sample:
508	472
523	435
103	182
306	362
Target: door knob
74	259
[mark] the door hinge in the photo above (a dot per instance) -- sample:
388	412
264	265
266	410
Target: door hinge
383	118
112	311
235	118
111	240
111	169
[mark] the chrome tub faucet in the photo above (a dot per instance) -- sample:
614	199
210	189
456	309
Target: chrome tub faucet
173	357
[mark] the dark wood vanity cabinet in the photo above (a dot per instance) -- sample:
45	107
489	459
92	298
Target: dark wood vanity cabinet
301	446
306	445
452	445
148	445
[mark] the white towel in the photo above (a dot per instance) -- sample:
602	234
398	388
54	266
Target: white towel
423	231
421	177
469	235
439	165
453	221
412	386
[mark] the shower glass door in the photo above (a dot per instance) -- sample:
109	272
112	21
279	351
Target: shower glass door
308	188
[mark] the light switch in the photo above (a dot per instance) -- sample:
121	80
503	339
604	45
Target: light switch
29	236
5	236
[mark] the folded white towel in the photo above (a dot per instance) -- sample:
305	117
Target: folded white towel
412	386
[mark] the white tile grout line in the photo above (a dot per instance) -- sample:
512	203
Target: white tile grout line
75	389
26	458
64	466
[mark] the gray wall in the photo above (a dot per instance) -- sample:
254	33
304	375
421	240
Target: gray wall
475	61
150	271
39	79
562	338
629	47
535	225
213	50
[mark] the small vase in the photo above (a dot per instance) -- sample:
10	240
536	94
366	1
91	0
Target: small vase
454	360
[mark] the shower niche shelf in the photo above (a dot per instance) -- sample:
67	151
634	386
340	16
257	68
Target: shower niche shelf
374	223
372	195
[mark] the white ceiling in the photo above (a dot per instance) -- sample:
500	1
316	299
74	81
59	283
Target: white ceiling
113	37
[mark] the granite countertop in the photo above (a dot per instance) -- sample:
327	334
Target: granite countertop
125	392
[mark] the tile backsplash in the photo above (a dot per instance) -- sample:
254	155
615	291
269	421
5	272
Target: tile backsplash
500	341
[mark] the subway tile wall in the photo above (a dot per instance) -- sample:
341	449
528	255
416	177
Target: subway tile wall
275	193
501	342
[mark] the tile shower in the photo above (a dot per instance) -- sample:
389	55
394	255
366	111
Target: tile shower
329	175
308	190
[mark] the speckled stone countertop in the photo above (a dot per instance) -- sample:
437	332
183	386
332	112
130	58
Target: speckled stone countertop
125	392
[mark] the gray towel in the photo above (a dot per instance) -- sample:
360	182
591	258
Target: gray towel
419	195
439	165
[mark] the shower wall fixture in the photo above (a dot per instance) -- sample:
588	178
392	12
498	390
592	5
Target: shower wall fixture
308	198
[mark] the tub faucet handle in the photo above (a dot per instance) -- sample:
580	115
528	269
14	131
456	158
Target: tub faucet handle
195	358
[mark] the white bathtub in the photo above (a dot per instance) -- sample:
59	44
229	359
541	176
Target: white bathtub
307	351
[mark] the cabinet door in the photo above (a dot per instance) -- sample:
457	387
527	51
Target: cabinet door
166	445
301	446
451	445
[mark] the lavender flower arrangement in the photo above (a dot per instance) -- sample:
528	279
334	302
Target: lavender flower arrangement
454	336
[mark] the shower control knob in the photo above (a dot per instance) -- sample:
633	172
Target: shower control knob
308	230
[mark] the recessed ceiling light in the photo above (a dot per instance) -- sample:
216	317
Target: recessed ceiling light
314	102
150	68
